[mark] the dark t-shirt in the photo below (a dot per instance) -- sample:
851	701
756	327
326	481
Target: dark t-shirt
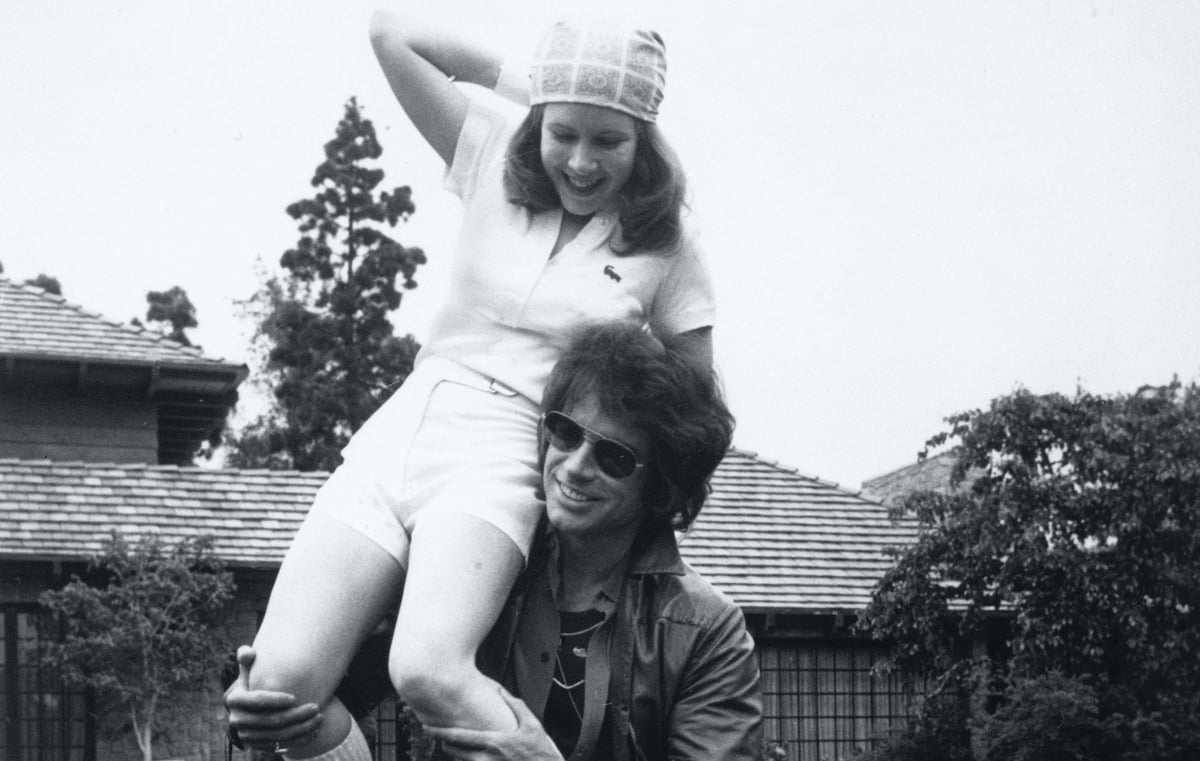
564	705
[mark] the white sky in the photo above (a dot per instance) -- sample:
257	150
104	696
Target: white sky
910	208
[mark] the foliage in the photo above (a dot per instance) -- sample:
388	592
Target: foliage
46	283
171	311
421	746
329	355
139	629
1081	533
1044	718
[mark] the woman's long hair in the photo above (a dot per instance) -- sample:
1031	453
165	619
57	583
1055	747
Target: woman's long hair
649	206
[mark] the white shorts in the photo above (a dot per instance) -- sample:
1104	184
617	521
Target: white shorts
449	440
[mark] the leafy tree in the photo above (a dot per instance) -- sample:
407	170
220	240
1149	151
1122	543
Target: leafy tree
46	283
140	628
329	354
1079	541
172	312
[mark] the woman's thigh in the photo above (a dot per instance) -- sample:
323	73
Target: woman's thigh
461	573
334	588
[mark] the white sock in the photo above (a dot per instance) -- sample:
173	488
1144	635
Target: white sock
353	748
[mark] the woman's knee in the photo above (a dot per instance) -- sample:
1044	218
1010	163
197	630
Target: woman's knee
292	672
430	683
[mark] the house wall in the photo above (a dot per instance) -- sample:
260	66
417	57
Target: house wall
823	700
64	423
823	697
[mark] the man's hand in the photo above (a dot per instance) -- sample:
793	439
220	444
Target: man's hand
527	741
264	719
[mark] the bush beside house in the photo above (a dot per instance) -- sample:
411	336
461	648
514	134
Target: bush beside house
139	630
1073	550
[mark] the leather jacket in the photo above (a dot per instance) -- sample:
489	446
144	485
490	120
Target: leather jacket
671	672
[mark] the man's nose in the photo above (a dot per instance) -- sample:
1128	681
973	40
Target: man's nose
580	461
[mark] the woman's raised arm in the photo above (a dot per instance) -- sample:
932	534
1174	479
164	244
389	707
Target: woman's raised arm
421	61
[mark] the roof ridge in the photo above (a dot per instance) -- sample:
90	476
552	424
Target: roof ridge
794	471
37	290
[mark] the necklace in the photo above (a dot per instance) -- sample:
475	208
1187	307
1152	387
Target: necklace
575	630
560	679
584	630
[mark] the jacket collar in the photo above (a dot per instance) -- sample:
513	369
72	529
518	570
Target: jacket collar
654	555
658	554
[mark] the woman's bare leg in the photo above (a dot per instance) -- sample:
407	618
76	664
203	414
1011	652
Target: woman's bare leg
334	587
460	572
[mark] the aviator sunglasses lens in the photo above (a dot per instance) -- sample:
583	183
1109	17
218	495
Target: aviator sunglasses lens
614	458
564	432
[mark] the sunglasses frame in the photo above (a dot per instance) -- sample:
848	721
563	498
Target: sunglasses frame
597	441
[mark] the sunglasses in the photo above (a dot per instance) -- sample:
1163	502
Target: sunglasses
614	458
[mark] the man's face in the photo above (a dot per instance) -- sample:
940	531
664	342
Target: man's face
582	501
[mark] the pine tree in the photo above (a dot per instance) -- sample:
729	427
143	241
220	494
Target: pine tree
328	351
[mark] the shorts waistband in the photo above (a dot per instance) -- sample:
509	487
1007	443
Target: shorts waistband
448	369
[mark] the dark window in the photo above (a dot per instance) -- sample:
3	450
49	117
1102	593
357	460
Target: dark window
43	721
822	701
388	732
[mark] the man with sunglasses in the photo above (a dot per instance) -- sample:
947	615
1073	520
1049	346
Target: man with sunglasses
616	648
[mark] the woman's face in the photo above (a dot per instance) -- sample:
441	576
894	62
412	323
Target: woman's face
582	501
588	152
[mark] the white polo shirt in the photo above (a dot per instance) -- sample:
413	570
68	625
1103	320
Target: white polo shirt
511	307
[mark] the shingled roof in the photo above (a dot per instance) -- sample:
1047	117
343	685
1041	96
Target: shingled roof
64	510
35	323
774	540
777	540
930	474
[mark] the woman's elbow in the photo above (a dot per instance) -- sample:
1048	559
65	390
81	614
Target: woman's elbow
382	27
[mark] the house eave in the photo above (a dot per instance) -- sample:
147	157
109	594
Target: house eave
207	378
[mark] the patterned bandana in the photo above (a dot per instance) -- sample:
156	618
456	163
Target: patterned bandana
625	70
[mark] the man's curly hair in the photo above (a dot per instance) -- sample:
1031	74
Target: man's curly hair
662	389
